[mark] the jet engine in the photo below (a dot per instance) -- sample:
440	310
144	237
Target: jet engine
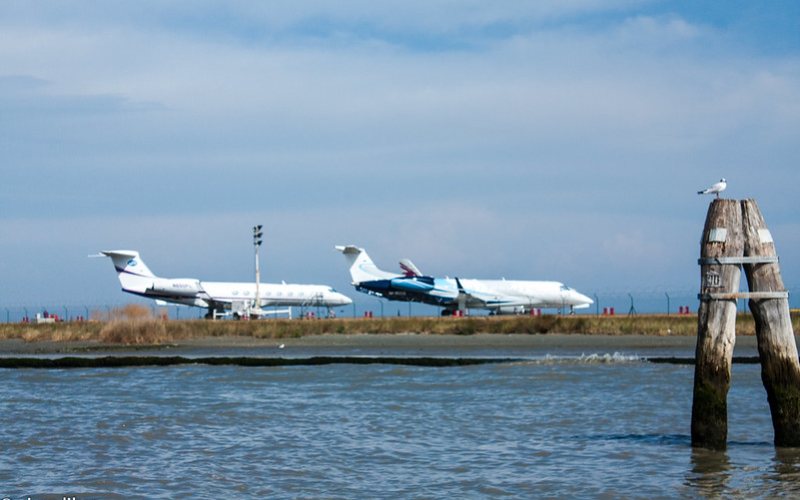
175	287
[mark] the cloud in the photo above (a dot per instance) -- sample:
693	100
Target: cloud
661	31
501	139
414	24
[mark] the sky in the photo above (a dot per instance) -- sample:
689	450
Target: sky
561	140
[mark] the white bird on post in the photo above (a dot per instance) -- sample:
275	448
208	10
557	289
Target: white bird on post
716	188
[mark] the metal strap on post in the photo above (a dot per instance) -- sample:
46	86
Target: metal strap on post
743	295
765	259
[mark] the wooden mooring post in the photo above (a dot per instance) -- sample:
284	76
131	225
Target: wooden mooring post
735	235
716	327
777	349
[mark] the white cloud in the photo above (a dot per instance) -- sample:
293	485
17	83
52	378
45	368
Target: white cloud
661	31
535	144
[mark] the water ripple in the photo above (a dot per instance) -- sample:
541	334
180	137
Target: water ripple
576	425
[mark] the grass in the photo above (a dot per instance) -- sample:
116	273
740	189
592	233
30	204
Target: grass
135	325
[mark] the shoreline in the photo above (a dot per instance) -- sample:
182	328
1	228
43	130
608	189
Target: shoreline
384	343
149	334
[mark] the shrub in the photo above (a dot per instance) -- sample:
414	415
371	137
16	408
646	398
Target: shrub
133	324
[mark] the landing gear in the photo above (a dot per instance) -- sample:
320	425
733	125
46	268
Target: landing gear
214	313
455	313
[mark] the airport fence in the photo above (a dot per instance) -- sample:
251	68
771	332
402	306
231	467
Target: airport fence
606	302
55	313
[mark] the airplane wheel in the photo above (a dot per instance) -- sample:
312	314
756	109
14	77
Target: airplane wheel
447	312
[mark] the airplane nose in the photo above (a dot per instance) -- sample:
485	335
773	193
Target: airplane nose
344	300
579	297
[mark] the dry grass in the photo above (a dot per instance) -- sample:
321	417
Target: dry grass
135	325
53	332
283	328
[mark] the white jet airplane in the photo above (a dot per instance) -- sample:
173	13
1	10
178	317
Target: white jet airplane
458	294
218	297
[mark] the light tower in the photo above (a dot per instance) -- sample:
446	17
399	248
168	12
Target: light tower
257	234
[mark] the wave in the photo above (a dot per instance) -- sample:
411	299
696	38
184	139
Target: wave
134	361
587	359
615	358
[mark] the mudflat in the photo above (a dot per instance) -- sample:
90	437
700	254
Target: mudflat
370	342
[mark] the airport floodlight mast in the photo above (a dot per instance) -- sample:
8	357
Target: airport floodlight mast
257	234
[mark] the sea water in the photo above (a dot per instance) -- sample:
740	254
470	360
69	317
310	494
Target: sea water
556	424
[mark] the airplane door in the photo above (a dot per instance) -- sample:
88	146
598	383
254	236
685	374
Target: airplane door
563	293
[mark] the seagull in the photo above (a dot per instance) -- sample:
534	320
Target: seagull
716	188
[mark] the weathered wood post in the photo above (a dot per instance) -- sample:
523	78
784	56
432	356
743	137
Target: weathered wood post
769	303
722	238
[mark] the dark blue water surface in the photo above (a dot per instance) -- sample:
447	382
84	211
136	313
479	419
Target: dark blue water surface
595	424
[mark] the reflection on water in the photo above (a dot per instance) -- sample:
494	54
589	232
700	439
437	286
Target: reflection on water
787	470
599	425
710	472
716	474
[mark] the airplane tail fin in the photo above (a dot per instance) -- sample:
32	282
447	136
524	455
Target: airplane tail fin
133	273
361	266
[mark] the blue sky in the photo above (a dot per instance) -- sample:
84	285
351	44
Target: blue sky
531	140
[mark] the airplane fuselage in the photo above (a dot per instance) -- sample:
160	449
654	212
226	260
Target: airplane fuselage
496	295
204	293
136	278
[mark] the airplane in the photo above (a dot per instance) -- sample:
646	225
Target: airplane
220	298
458	294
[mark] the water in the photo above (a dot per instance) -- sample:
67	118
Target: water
559	424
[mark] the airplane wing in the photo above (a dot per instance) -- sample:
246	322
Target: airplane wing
472	293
